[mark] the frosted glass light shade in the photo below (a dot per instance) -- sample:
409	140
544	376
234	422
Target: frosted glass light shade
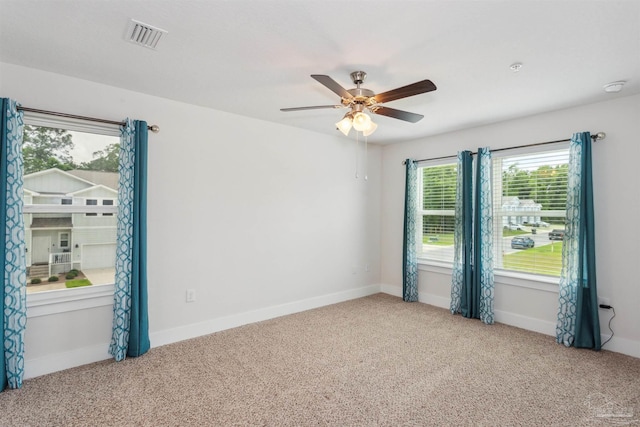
371	129
361	122
344	125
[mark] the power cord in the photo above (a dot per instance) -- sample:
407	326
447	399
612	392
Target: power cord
608	307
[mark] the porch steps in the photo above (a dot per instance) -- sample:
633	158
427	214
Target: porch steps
40	270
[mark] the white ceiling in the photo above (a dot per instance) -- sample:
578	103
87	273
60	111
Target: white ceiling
253	57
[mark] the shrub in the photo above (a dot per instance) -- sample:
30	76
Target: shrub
74	271
70	276
36	280
53	279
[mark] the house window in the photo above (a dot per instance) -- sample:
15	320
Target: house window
91	202
63	239
529	208
107	202
66	160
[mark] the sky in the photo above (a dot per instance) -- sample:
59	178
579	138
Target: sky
88	143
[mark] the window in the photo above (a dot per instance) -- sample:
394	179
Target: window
107	202
91	202
63	239
437	194
70	189
530	197
529	207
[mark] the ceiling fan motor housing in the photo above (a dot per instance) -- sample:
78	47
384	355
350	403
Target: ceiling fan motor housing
358	77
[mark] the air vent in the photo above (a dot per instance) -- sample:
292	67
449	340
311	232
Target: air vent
144	35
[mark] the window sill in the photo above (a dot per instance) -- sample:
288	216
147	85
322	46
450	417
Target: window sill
46	303
510	278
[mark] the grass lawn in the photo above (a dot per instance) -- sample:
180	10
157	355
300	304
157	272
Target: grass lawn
76	283
546	259
438	239
508	233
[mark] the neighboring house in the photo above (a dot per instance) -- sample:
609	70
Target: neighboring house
59	238
517	211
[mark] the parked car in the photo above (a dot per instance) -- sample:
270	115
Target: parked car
513	226
522	242
536	224
556	234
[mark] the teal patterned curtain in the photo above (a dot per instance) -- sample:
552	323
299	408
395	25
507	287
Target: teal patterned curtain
462	233
578	321
483	237
472	277
130	336
13	280
409	256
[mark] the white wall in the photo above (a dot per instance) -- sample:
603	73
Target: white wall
260	219
617	212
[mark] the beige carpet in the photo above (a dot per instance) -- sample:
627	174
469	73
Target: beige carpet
373	361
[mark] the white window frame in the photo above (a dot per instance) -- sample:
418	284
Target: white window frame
60	239
421	212
498	212
64	300
508	277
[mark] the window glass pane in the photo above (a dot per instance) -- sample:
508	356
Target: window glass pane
438	196
529	211
70	193
107	202
529	192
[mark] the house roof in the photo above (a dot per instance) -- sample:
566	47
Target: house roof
51	222
89	180
93	189
108	179
253	57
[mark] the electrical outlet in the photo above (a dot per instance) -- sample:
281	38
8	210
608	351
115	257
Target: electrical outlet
191	295
603	301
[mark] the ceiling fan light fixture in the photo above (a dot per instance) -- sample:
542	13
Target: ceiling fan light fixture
344	125
361	121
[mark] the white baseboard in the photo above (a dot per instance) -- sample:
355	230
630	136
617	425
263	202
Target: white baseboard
618	345
529	323
622	345
82	356
66	360
170	336
423	297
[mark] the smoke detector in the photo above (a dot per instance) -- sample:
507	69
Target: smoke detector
144	35
613	87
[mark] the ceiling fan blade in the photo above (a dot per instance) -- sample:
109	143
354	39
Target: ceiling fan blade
315	107
332	85
398	114
405	91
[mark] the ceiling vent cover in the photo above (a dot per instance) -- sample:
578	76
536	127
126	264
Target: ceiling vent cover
144	35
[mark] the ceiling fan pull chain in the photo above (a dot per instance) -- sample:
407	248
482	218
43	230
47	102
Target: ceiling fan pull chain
357	146
366	158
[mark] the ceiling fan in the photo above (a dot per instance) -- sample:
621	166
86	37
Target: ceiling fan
359	100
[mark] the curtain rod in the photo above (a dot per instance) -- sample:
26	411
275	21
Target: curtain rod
152	128
598	137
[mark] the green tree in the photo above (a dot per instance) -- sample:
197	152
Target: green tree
439	192
546	185
106	160
46	148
